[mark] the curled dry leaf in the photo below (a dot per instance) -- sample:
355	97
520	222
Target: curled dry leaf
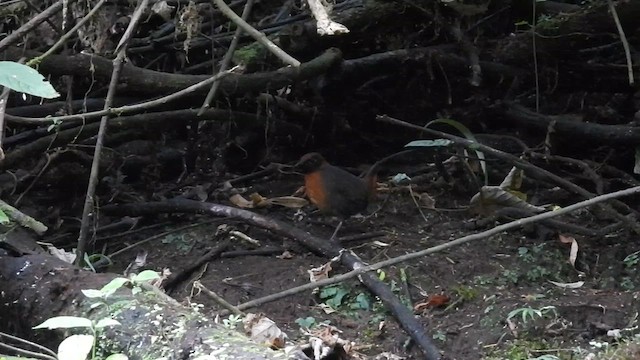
573	253
425	200
66	256
239	201
291	202
492	198
263	330
319	273
513	180
285	255
573	285
258	201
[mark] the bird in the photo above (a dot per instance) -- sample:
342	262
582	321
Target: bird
333	190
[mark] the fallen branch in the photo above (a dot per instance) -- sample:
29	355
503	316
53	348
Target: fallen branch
145	81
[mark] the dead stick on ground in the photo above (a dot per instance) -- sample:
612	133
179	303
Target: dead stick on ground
393	261
198	285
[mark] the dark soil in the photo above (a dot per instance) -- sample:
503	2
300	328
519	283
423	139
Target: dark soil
484	280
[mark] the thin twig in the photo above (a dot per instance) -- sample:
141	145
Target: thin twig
257	35
217	298
227	59
623	38
465	239
89	203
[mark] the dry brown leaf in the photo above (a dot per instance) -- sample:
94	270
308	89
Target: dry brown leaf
239	201
285	255
291	202
320	273
425	200
491	198
513	180
263	330
66	256
573	253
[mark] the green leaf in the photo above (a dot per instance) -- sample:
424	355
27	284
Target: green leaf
362	302
107	322
307	322
65	322
24	79
469	136
92	293
75	347
4	219
328	291
117	357
430	143
113	286
146	275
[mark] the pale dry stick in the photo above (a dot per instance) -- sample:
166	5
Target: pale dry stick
623	38
68	35
217	298
226	60
257	35
22	218
31	24
128	109
465	239
324	24
89	205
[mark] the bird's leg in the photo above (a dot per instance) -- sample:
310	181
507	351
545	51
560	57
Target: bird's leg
336	231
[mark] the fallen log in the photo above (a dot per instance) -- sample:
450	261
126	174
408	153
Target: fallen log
153	326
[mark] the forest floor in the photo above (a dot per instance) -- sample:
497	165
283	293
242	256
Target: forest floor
500	303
